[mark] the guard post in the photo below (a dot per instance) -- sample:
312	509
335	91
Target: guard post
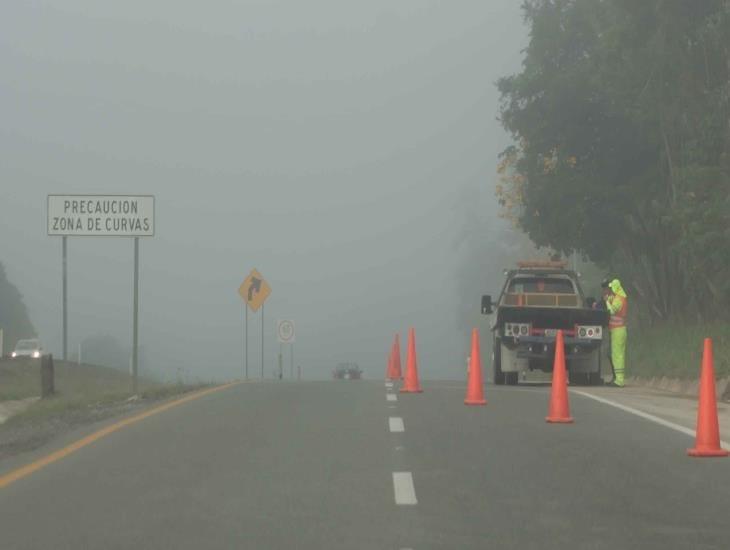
48	385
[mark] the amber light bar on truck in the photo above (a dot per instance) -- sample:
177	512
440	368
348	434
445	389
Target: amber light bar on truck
542	264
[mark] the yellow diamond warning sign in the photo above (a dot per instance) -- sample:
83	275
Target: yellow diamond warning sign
254	290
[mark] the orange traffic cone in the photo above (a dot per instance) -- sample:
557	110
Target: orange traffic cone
391	373
559	411
707	442
398	374
474	387
411	384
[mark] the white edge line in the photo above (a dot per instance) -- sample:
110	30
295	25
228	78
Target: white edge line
405	492
395	424
646	416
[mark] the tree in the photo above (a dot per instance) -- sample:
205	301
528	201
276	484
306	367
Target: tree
14	319
622	115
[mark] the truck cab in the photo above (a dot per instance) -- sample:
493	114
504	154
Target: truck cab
537	300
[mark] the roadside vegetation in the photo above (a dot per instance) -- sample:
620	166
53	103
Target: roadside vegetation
77	386
84	394
675	350
621	125
14	320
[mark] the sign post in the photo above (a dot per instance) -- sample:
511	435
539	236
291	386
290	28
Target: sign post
286	335
102	216
245	341
254	291
135	317
64	254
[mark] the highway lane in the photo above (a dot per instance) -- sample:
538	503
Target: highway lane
256	466
500	477
311	465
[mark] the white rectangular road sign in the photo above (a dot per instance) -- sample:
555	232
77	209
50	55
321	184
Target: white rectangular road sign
101	215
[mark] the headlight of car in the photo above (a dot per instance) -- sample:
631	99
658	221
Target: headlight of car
36	355
13	355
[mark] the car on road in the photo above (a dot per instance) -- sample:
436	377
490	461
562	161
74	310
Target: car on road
538	299
28	348
347	371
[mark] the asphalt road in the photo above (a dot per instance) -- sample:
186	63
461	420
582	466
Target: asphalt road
311	466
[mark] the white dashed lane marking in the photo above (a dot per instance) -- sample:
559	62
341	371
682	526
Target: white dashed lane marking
391	397
405	492
396	424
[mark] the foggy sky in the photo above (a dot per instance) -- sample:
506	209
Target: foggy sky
331	145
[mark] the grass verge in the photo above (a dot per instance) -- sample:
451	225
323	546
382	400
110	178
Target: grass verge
675	350
84	394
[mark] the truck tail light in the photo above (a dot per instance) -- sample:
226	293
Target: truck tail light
516	329
590	332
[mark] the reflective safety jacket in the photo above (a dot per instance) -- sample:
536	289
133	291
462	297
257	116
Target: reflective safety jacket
618	305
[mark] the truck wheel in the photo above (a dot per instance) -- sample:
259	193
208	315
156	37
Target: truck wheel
498	375
512	378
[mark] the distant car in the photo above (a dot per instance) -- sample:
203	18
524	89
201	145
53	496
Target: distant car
28	348
347	371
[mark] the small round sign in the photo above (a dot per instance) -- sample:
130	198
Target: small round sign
285	331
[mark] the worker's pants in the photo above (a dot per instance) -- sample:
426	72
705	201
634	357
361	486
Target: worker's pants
618	354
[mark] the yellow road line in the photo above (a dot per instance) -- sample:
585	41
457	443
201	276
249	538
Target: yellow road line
36	465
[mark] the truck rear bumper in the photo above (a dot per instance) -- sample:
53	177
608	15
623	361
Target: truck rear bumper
540	347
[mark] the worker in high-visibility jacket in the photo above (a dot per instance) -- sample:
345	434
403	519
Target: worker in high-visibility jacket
617	304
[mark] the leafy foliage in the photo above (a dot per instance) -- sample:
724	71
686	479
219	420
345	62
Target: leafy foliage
622	116
14	319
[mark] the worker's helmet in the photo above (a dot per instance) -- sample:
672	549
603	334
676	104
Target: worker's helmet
605	282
